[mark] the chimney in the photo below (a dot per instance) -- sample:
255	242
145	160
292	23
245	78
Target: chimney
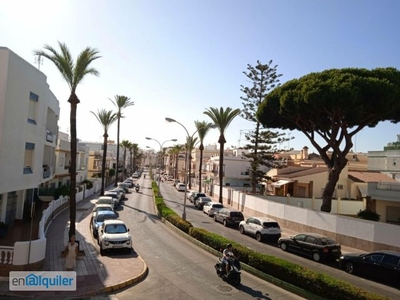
305	152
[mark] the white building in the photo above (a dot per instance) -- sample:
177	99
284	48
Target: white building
29	113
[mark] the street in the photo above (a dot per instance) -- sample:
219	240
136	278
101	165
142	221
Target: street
177	268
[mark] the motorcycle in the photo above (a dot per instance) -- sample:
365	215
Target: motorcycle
137	189
234	272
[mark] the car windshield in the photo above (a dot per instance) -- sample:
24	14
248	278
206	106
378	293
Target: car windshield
115	228
109	208
236	214
217	206
101	218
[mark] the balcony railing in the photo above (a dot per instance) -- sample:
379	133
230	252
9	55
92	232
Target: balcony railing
49	136
388	186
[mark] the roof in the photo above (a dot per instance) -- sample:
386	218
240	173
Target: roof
113	221
263	219
303	172
359	176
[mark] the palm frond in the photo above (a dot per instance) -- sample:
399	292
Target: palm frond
105	117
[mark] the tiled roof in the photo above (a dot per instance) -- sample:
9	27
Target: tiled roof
369	177
303	172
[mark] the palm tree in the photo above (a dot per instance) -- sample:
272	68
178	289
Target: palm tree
73	73
126	145
135	151
175	150
120	102
221	118
105	118
190	144
203	128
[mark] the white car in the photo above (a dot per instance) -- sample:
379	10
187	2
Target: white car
106	200
100	207
261	228
180	187
113	234
210	208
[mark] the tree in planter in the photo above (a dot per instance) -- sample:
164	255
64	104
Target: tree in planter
126	145
190	144
333	105
221	118
262	152
105	118
73	73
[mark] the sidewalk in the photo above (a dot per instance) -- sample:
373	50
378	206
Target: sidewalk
96	274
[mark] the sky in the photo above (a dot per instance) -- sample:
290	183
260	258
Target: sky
178	58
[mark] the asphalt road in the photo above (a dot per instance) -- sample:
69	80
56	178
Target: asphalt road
174	200
177	268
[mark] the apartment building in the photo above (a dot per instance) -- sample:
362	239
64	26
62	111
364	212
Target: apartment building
29	114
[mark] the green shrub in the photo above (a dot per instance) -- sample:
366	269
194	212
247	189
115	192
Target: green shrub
61	191
88	183
368	215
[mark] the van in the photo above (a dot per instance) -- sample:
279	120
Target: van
106	200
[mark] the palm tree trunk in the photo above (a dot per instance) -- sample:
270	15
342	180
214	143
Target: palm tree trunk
116	171
73	100
221	142
190	171
103	165
200	164
123	165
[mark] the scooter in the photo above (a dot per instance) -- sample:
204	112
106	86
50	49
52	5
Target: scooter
234	272
137	189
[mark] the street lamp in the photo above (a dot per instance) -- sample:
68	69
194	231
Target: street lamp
188	139
159	168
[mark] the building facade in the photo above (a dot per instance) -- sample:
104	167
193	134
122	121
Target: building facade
29	114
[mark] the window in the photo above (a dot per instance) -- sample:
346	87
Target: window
391	260
310	240
32	112
28	159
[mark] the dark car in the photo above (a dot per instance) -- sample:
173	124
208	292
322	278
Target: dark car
228	217
382	265
195	195
316	246
199	203
99	218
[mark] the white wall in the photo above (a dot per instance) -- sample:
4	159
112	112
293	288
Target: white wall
350	230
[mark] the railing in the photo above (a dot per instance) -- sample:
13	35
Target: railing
388	186
6	255
46	174
49	136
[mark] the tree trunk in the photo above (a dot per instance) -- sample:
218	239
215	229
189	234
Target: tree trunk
200	164
176	166
73	100
221	142
123	165
116	171
190	170
333	178
103	165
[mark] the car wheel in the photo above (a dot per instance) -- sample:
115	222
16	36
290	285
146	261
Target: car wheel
215	218
101	250
225	223
349	267
316	256
241	229
284	247
259	237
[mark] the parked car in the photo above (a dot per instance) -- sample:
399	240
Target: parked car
381	265
125	186
114	234
316	246
180	187
121	192
115	195
228	217
99	218
210	208
106	200
261	228
129	182
195	195
101	207
199	203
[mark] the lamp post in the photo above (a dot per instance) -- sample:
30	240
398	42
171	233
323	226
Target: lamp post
159	168
188	139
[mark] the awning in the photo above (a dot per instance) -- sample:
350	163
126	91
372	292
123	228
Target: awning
363	188
279	183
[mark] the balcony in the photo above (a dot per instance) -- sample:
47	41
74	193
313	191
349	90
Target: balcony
384	191
49	136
